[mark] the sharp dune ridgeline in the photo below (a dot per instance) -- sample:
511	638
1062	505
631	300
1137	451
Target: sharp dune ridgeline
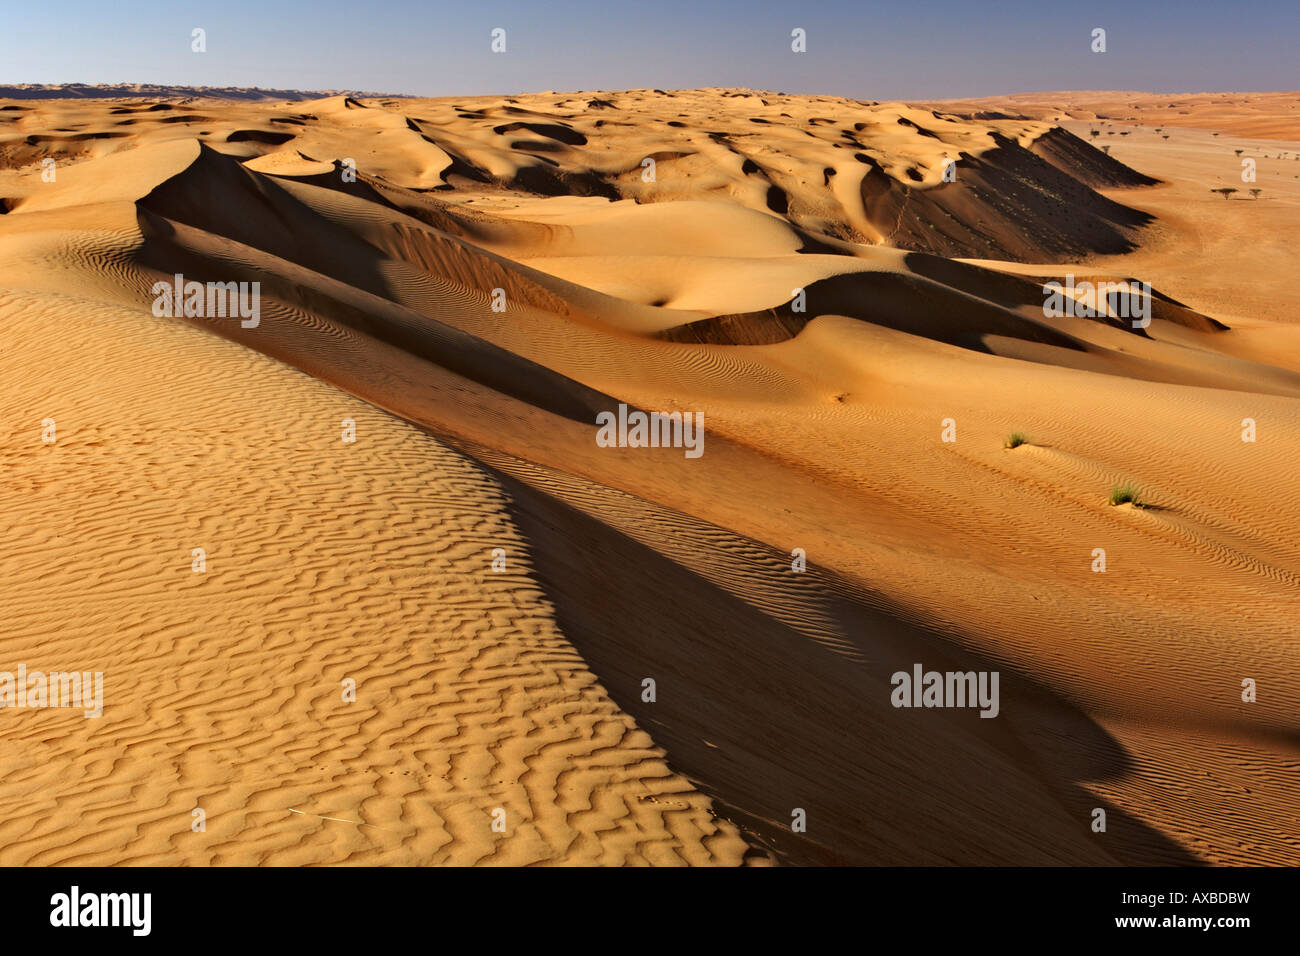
850	294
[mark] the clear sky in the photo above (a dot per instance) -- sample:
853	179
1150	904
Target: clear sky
856	48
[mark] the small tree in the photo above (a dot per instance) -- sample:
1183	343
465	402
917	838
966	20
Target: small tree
1238	151
1227	191
1254	193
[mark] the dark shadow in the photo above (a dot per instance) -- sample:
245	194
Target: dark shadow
767	717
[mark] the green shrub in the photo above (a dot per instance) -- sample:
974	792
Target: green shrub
1126	492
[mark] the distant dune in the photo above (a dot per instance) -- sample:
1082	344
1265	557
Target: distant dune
837	286
1260	115
83	91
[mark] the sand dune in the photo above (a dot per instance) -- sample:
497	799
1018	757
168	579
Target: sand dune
806	273
100	91
1258	115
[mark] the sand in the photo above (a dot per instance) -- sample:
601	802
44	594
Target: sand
523	690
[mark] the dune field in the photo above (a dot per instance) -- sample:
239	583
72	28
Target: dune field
366	587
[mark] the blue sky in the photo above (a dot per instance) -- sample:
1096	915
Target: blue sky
862	49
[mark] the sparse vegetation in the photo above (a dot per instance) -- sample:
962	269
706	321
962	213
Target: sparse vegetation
1126	492
1015	440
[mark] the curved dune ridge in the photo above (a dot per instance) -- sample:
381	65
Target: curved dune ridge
569	653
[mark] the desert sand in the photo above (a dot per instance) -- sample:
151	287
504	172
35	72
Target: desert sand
382	231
